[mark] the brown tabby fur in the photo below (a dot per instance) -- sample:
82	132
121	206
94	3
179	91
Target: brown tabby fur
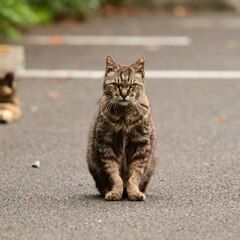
121	149
9	106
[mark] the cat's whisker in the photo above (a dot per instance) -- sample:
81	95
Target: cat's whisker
137	106
109	107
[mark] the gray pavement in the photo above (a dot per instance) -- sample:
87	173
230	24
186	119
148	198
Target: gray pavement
195	192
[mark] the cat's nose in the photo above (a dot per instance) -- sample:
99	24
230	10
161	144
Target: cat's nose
124	93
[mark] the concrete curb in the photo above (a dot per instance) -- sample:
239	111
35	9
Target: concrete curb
195	4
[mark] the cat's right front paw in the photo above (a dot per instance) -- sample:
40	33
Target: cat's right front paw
113	196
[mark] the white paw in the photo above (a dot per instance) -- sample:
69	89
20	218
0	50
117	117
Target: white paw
6	116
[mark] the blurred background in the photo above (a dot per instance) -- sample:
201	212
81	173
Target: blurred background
19	15
192	19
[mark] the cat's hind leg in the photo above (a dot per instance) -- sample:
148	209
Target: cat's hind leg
143	186
102	184
148	174
144	183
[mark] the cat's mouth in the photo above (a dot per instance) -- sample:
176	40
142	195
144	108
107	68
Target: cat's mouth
123	103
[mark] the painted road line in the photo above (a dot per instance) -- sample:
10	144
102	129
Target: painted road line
108	40
194	74
32	73
161	74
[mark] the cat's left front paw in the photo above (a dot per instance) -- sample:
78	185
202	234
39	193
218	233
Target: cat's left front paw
137	196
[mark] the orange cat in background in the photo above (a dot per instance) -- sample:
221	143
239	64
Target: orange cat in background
9	106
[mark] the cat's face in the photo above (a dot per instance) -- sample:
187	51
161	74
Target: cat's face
7	85
124	84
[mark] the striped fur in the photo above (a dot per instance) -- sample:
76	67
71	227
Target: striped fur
121	148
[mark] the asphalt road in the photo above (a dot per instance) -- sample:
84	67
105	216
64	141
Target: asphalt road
195	192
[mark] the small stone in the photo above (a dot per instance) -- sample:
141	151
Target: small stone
34	109
54	94
36	164
221	119
55	40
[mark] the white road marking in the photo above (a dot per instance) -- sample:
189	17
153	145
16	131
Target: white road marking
161	74
32	73
108	40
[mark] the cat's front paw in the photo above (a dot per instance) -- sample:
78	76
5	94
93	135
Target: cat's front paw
113	196
136	196
6	116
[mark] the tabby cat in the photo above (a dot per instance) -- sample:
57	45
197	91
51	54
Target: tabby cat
9	106
121	148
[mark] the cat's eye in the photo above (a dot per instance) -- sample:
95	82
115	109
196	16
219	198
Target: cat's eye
114	85
134	85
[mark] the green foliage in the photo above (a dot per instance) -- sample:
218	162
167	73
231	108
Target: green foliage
67	7
15	13
22	14
113	2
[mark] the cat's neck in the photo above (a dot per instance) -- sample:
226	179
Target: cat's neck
126	119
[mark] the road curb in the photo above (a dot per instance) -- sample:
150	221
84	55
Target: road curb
192	4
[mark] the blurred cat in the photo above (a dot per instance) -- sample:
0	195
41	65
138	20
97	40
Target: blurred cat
9	106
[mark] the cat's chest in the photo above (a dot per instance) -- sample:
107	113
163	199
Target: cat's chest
119	141
125	120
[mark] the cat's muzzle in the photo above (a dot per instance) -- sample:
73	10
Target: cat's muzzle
123	103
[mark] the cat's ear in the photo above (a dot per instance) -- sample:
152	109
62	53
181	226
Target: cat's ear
8	79
138	66
111	65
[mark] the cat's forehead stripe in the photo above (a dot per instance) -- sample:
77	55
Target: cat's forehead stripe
125	75
109	81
